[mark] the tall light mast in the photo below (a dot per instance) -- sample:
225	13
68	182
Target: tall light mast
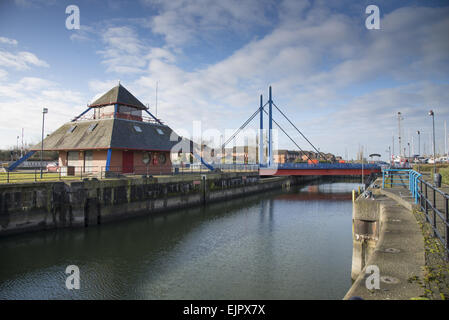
399	128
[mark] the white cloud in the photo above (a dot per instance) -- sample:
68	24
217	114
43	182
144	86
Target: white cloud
85	33
184	21
123	50
9	41
34	3
3	75
21	60
23	101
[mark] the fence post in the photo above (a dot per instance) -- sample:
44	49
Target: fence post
434	222
7	176
391	179
426	203
447	227
35	178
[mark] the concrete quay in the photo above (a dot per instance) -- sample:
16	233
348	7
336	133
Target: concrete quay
386	235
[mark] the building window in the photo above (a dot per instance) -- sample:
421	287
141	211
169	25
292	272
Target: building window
92	127
88	160
138	129
72	158
146	158
162	158
159	131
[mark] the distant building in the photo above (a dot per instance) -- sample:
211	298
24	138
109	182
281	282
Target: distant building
115	138
283	156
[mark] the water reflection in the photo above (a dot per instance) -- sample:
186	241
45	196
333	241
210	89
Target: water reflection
294	245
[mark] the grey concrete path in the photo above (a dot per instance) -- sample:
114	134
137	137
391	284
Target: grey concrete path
399	254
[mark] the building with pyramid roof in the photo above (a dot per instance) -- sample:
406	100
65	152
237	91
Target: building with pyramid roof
116	134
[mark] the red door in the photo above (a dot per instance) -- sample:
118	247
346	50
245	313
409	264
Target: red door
128	161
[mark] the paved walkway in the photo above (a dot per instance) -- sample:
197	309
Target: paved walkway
399	253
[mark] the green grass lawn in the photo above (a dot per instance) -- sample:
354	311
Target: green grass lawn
23	177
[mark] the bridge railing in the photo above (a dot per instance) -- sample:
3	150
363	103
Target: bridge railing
402	177
324	166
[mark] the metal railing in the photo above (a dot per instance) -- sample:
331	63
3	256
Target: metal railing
402	177
324	166
436	211
101	172
433	202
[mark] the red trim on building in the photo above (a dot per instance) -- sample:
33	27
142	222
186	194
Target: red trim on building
113	103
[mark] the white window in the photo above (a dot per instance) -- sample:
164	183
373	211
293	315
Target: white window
138	129
92	127
159	131
72	158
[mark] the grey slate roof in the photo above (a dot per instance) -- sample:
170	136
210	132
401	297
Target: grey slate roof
120	95
110	133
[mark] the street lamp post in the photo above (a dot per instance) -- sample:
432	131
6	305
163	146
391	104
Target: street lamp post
17	148
44	111
434	158
419	142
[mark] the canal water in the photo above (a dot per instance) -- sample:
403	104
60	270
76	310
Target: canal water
277	245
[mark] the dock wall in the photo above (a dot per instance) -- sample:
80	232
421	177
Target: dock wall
49	205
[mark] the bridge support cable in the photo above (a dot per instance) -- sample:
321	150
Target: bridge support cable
243	126
279	126
297	129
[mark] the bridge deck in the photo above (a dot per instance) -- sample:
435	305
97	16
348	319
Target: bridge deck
321	169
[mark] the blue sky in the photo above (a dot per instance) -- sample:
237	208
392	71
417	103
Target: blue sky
340	83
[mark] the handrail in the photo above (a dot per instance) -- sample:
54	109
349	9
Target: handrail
427	204
324	166
419	189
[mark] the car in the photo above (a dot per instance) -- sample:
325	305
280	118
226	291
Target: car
52	167
443	159
420	159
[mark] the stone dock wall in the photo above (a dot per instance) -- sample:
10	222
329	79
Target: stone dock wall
49	205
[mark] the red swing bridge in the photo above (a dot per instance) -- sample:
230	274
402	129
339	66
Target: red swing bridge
313	167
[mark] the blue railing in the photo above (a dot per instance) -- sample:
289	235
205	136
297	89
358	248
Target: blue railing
325	166
402	177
